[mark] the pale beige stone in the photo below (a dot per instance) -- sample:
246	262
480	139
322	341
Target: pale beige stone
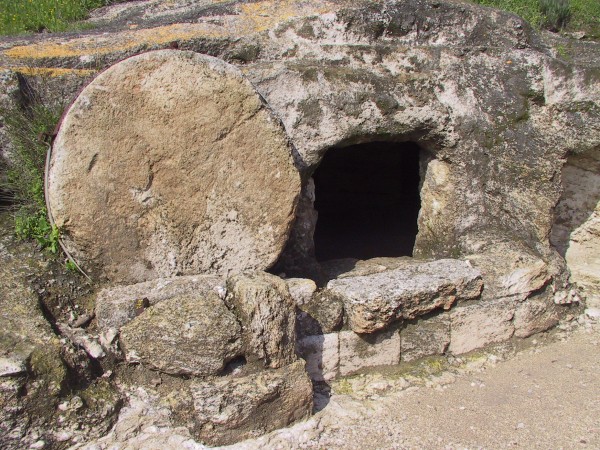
169	163
534	316
575	233
410	290
478	325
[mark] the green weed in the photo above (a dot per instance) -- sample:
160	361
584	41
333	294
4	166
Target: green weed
569	15
37	227
21	16
25	125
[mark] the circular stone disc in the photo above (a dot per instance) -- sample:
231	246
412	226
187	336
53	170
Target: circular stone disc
169	163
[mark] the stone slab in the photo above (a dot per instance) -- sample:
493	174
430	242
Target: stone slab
227	409
266	310
116	306
185	335
169	163
413	289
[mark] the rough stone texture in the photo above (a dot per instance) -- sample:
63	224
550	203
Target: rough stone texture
478	325
153	130
415	288
185	335
426	337
227	410
116	306
323	313
322	355
536	315
577	227
267	312
361	351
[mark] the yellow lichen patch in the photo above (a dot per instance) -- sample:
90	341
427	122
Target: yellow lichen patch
264	15
115	42
50	71
254	17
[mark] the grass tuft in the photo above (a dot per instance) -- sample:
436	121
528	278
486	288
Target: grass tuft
23	16
555	15
23	180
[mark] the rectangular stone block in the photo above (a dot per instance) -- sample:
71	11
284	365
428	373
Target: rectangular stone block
322	355
478	325
534	316
359	351
424	338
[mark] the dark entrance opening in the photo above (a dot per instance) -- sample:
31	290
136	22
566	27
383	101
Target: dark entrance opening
367	197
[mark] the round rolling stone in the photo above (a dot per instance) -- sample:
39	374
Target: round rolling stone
169	163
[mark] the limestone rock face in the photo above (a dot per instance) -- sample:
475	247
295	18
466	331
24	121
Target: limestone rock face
184	335
228	409
413	289
267	313
170	163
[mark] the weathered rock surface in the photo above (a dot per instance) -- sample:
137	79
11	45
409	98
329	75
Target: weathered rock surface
116	306
159	128
361	351
536	315
415	288
322	355
229	409
475	326
301	289
185	335
427	337
511	270
266	310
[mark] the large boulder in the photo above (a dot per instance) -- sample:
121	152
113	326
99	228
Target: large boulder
414	288
228	409
184	335
169	163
